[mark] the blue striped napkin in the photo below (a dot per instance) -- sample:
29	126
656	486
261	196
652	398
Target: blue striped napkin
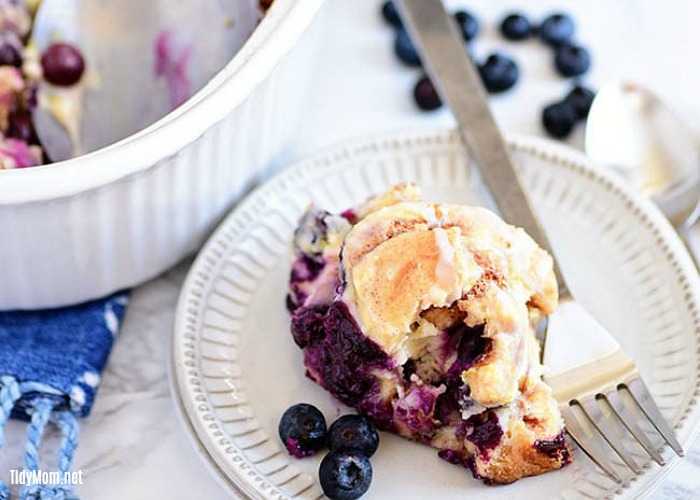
50	367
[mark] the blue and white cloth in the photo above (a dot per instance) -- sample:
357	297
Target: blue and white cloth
50	367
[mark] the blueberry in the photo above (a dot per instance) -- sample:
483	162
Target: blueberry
498	73
581	99
559	119
468	24
404	48
353	432
63	64
302	429
391	15
515	27
9	56
345	475
572	60
557	29
425	95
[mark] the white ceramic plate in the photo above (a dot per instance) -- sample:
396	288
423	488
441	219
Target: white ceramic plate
237	369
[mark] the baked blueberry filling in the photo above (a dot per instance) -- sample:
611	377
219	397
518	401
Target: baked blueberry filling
340	358
455	458
414	411
450	403
291	301
307	267
305	270
470	346
296	296
484	431
307	325
408	369
555	448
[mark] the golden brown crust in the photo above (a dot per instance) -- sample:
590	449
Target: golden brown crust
535	419
399	193
377	227
405	275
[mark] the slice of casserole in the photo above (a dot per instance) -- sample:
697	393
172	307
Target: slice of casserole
420	316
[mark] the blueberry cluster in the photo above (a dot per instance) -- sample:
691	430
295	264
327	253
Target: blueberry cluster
500	72
345	472
560	117
557	31
570	60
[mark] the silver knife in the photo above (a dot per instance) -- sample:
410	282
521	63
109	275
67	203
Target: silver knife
443	54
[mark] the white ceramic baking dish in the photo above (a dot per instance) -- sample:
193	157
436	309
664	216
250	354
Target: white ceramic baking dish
80	229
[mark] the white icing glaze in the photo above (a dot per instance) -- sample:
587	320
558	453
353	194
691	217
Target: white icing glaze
445	268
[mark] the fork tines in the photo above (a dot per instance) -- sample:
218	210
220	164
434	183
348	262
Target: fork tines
613	428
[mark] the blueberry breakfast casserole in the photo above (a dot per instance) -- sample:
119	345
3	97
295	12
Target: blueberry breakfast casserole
420	316
23	68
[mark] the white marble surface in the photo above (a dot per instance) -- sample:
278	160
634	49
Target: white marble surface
133	445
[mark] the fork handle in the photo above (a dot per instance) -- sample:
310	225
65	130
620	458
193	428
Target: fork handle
442	51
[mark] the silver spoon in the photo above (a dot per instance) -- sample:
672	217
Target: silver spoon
120	92
632	131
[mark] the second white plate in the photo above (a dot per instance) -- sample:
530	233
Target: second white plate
237	369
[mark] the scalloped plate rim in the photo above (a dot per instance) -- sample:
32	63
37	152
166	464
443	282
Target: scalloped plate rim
547	149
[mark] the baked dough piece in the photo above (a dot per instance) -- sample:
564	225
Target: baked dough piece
421	316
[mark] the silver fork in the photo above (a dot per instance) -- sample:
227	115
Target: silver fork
601	395
604	402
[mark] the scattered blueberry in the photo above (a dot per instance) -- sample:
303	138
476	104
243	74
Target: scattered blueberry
9	56
468	25
302	429
391	15
425	95
404	48
515	27
345	475
572	60
498	73
559	119
353	432
557	29
581	99
63	64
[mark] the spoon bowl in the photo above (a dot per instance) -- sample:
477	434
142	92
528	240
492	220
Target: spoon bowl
143	59
632	131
